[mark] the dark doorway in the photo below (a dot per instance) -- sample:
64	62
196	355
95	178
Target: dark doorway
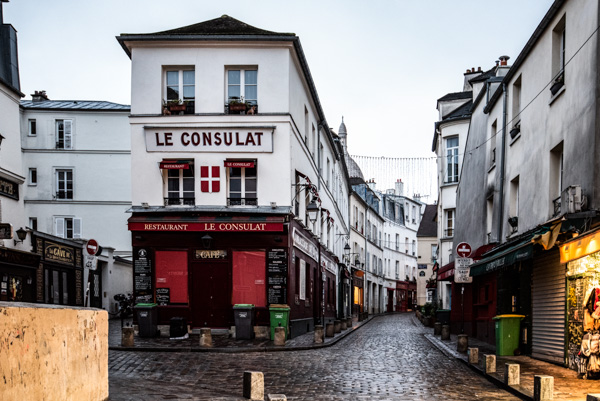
211	294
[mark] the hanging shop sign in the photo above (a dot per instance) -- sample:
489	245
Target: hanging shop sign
210	139
304	244
9	188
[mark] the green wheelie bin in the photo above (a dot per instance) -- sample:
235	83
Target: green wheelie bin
280	316
508	328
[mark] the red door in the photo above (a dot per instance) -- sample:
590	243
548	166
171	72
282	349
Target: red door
211	294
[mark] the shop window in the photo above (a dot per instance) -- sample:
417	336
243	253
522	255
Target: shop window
249	277
172	274
64	134
242	184
67	227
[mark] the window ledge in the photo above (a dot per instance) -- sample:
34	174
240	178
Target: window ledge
557	94
515	139
491	168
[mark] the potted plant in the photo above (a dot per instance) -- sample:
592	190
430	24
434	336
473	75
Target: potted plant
237	104
175	105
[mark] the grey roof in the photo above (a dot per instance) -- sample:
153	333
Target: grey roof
456	96
224	25
428	226
74	105
353	170
462	111
484	77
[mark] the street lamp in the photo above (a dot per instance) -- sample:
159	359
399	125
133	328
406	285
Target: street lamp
312	209
21	234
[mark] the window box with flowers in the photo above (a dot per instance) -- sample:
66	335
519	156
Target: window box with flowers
237	105
176	106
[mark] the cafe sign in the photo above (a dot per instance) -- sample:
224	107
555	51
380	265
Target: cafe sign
210	254
58	253
209	139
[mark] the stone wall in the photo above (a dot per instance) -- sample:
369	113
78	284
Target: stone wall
52	352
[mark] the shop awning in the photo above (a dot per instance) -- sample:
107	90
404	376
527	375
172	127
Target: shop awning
580	246
206	223
174	165
446	272
240	163
516	253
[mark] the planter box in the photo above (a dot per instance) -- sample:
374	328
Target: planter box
237	107
177	107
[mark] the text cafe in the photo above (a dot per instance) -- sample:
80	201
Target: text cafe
199	267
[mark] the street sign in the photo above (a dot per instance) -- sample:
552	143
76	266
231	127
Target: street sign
462	270
91	262
91	247
463	250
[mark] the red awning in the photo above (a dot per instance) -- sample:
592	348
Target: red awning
446	272
239	163
206	223
174	165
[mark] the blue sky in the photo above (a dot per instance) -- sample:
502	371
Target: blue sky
381	64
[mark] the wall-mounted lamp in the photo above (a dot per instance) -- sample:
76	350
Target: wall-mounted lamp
145	205
207	241
21	234
273	205
313	210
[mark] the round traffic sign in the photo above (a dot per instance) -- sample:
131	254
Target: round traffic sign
463	250
91	247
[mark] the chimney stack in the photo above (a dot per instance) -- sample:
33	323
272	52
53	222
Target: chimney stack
399	187
39	96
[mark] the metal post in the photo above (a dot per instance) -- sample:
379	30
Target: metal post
462	307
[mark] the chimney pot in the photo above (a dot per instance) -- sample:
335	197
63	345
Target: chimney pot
478	69
504	60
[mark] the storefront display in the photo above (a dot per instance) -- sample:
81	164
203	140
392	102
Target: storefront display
583	315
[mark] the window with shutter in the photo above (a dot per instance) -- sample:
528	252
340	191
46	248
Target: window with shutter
59	227
64	134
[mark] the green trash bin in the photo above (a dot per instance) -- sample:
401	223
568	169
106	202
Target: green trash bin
280	316
508	328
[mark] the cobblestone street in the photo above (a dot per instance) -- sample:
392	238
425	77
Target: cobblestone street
387	359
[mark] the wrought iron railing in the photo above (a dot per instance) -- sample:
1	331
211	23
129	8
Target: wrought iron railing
242	201
171	201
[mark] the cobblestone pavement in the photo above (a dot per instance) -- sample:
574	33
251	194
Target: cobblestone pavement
387	359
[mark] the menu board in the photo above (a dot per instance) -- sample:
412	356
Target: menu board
277	272
163	296
142	275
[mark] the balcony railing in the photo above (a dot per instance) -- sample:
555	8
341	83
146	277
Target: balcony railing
242	201
171	201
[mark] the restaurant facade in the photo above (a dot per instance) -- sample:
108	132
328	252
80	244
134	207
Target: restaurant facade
240	195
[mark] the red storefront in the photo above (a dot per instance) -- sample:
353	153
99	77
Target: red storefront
198	266
406	295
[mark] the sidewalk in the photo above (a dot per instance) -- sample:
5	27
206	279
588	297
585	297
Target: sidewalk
566	384
222	342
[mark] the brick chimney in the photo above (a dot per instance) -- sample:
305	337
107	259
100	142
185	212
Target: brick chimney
39	96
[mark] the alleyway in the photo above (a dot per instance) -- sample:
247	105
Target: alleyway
388	359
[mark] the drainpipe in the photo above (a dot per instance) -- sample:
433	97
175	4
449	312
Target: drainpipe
502	165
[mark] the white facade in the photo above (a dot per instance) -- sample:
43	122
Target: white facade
82	189
11	170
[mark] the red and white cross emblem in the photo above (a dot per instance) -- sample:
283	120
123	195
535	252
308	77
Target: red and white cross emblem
210	178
